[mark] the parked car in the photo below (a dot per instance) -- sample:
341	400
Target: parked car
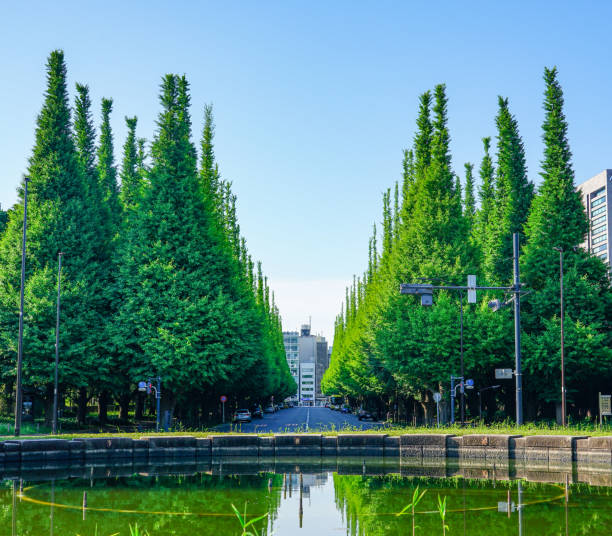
242	415
269	409
257	412
364	415
345	409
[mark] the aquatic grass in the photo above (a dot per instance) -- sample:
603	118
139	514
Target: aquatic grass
416	499
244	524
442	512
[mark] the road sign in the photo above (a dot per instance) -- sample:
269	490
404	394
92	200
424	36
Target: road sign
437	397
223	398
469	384
418	289
142	386
503	373
471	283
605	405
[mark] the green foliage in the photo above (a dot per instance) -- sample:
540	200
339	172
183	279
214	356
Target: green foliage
392	354
156	277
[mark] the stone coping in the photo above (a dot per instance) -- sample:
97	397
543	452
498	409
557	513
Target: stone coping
551	448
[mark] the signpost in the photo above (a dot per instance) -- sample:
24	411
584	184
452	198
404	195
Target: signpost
147	387
437	397
605	407
503	373
223	401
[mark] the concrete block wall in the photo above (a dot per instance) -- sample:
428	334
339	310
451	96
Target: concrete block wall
548	450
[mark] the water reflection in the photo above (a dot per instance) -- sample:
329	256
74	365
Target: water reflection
355	498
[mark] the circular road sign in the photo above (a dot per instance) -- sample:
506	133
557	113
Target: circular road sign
223	398
437	397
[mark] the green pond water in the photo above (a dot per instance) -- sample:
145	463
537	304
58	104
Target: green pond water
307	503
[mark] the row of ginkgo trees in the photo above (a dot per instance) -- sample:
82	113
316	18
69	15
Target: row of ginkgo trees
392	353
156	277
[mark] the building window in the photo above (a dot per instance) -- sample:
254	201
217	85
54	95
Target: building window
599	239
597	211
306	375
599	248
598	220
599	229
603	256
598	202
598	192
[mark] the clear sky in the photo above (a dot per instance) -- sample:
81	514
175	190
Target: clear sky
314	102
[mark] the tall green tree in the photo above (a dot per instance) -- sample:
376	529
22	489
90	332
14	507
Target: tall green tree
131	175
469	201
512	198
486	194
557	219
60	219
106	163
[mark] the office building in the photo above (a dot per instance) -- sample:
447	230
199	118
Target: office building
290	339
308	359
596	197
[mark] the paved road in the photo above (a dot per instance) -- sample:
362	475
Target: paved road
301	420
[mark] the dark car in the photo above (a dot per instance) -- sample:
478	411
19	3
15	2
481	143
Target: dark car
364	415
345	409
269	409
257	413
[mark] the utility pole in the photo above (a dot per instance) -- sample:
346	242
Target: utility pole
57	325
517	331
563	401
462	399
18	394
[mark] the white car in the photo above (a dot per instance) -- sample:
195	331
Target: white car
242	415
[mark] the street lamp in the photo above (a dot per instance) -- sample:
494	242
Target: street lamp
18	393
560	250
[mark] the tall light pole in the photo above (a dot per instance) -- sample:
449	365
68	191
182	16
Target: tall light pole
18	393
563	420
425	291
57	325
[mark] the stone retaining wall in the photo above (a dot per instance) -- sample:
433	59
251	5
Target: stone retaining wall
549	449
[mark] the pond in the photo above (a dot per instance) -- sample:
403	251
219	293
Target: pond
299	500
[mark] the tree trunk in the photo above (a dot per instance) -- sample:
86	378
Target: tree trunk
139	407
103	407
48	406
82	405
124	406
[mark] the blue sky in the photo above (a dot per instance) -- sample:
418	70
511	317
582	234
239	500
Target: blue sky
314	102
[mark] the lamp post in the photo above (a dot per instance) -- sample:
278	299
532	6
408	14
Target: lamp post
18	393
560	250
147	387
57	325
